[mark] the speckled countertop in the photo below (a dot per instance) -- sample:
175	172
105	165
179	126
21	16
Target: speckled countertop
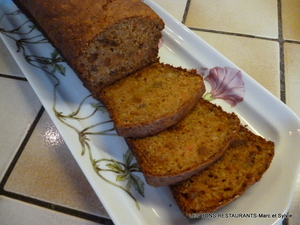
40	183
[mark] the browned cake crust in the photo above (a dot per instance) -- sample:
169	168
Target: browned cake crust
182	150
101	40
243	164
152	99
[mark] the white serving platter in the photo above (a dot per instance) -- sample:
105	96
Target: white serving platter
102	155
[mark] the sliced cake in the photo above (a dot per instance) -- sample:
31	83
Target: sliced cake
243	164
152	99
184	149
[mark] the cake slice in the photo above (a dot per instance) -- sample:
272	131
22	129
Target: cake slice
243	164
184	149
152	99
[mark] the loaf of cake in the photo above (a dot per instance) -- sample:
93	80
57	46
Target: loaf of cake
152	99
184	149
102	40
243	164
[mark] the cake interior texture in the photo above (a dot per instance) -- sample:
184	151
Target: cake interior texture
122	49
151	93
187	147
243	164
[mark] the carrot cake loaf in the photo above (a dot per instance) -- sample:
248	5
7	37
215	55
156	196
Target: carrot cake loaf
101	40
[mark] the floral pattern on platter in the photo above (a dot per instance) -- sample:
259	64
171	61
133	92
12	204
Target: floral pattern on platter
226	83
25	36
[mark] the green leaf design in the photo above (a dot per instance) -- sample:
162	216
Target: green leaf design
115	166
99	106
32	26
208	97
127	157
135	167
54	54
123	177
53	65
137	183
124	171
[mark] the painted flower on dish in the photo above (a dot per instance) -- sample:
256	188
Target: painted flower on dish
227	84
161	42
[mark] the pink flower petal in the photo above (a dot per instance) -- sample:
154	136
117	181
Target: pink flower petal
227	84
201	70
161	42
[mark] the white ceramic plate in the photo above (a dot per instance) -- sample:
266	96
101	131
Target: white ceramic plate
100	155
